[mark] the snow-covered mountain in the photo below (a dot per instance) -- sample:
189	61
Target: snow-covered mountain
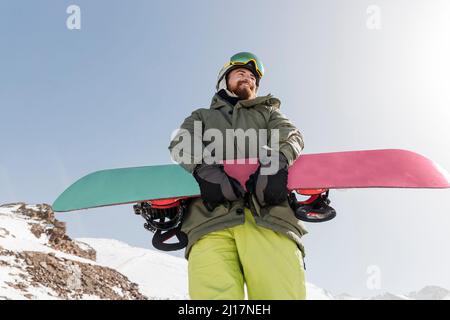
427	293
165	277
39	261
159	275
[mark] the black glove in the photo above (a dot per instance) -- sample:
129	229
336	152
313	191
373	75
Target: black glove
216	186
270	189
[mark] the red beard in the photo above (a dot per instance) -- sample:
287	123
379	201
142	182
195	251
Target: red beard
244	92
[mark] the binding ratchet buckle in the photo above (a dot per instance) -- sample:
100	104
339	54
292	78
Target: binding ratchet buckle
314	209
164	218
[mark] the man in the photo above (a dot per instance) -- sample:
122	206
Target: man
242	234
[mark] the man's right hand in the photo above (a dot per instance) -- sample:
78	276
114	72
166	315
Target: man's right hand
216	186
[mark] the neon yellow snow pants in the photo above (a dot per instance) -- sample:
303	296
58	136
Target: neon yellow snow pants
269	263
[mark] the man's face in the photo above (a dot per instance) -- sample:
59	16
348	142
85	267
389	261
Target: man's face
242	82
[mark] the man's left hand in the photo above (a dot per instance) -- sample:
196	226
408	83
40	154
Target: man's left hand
269	189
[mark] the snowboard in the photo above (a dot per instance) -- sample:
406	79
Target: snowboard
310	174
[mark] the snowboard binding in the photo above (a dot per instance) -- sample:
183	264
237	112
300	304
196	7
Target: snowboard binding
164	219
314	209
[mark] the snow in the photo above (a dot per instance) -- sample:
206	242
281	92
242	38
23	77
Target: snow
16	235
162	276
12	274
159	275
390	296
313	292
89	297
41	293
20	237
431	293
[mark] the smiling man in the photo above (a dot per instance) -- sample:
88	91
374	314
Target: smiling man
240	235
242	82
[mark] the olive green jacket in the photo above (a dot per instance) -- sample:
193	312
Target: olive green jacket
259	113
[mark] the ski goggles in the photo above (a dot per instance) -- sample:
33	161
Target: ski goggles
243	58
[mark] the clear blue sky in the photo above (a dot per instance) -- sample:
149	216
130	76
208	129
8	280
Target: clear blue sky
109	95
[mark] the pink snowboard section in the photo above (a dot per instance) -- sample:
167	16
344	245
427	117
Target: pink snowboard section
389	168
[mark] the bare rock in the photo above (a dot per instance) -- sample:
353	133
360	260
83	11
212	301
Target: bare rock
44	222
73	279
4	233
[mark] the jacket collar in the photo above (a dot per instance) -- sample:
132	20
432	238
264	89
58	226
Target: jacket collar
269	100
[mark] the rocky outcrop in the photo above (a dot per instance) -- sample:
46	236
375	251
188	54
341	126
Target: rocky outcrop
54	229
52	266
